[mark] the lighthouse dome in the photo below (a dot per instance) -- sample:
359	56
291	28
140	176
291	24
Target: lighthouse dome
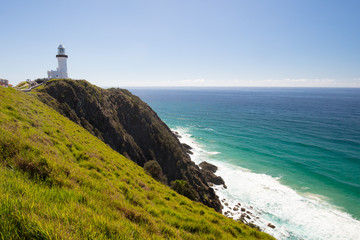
61	50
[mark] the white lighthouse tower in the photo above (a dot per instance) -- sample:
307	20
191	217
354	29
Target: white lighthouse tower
61	71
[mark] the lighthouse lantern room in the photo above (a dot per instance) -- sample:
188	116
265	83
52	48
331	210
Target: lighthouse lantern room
61	71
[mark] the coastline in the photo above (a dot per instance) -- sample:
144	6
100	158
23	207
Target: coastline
305	215
236	210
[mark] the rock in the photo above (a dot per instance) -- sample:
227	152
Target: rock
208	167
177	134
248	212
248	217
129	126
238	204
211	177
187	148
236	209
271	225
226	204
243	209
208	171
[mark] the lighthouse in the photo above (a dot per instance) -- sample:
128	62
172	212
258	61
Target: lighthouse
61	71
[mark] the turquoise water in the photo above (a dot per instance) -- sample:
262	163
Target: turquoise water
306	140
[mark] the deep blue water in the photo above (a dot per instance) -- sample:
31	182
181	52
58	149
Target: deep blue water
309	138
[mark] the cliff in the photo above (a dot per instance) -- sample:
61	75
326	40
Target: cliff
129	126
58	181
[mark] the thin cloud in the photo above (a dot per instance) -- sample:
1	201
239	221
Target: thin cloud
309	80
198	80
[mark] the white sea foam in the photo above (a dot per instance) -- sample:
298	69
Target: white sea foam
210	129
305	216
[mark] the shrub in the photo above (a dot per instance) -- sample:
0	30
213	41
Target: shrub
154	169
184	188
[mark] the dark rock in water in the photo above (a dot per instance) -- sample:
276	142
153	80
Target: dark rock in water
248	217
187	148
208	171
212	178
226	204
129	126
271	225
208	167
236	209
176	134
243	209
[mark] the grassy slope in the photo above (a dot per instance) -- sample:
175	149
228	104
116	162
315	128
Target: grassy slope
57	181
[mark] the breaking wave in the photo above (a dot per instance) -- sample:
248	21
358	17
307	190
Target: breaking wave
294	215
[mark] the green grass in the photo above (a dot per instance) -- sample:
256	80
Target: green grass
22	85
57	181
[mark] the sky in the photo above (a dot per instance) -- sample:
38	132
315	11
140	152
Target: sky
267	43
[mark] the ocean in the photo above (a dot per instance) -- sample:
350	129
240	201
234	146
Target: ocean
292	155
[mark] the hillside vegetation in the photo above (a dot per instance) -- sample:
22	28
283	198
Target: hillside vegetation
58	181
129	126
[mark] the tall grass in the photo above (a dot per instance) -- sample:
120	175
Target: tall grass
57	181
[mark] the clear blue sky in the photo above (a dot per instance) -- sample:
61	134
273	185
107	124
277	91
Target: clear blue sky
185	42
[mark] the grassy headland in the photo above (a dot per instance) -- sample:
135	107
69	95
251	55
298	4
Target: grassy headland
58	181
129	126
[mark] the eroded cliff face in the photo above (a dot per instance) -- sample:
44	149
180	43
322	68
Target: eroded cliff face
129	126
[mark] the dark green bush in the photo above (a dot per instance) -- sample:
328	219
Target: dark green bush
154	169
184	188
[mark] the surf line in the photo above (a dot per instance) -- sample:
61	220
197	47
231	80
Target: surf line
242	212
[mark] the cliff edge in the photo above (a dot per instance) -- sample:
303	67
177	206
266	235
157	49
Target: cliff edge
129	126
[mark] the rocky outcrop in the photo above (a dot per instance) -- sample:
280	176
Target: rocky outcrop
129	126
208	170
208	167
271	225
186	147
212	178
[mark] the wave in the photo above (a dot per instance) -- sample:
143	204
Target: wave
296	216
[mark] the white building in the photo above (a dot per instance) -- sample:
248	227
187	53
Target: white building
61	71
